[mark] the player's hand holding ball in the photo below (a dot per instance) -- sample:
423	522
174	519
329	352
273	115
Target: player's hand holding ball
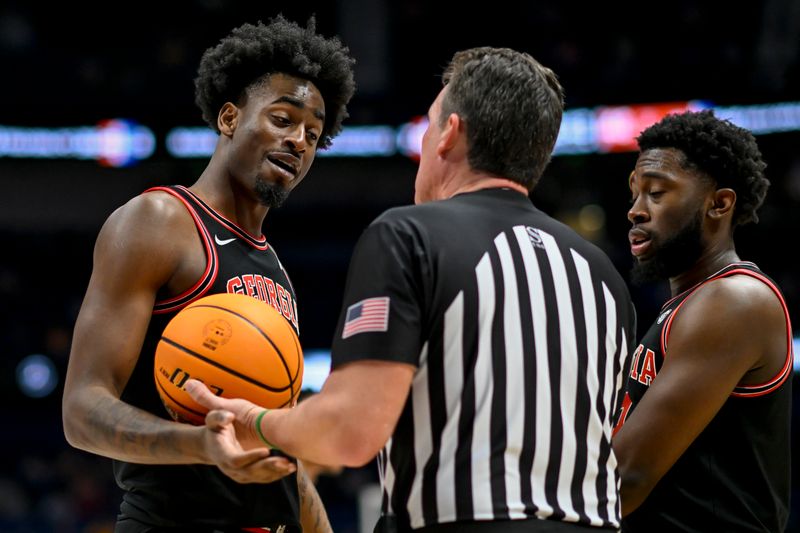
220	361
243	414
240	347
230	441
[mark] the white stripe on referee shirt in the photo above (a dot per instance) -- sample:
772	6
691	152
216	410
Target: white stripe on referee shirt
453	387
568	378
515	379
543	406
421	408
595	428
388	479
611	385
484	386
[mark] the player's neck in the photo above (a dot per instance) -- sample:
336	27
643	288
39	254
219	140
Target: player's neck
221	194
709	263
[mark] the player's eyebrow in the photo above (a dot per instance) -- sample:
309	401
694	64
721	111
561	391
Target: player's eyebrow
299	104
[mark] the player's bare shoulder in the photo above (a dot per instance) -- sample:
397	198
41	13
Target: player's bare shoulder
152	230
742	297
152	219
743	313
727	307
154	210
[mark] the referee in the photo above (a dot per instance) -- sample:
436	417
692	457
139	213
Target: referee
481	343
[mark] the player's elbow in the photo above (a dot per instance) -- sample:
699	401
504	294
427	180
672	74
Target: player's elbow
73	417
74	437
69	419
635	486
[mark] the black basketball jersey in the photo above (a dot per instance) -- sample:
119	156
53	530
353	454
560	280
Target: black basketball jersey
735	476
201	495
520	331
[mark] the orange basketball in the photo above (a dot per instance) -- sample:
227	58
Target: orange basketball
238	346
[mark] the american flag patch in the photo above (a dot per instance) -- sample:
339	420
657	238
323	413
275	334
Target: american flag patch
367	315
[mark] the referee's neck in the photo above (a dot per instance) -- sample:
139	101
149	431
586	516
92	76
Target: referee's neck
489	182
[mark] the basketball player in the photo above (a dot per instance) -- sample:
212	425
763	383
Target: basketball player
481	343
275	93
704	438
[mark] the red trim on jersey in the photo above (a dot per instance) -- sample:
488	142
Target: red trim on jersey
668	326
212	264
259	243
742	391
760	389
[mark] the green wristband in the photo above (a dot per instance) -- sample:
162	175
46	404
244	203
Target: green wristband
260	434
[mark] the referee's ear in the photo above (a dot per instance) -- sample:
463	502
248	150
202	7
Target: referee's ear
451	134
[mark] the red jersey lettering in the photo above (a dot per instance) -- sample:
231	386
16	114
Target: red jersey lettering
235	286
648	373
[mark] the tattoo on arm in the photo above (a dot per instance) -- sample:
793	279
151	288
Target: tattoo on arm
124	432
313	517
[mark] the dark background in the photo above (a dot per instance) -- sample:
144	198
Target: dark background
73	64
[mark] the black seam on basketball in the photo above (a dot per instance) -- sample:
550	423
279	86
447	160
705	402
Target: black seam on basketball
258	329
222	367
179	404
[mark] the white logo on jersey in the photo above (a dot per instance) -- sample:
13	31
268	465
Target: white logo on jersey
533	235
663	315
223	242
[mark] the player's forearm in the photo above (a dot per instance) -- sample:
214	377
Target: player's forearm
97	422
313	517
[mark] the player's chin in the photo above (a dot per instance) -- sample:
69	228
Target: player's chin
272	194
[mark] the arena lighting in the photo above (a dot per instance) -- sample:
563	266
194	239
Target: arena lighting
316	367
605	129
617	127
409	137
796	354
37	376
362	141
114	142
578	134
762	119
191	142
353	141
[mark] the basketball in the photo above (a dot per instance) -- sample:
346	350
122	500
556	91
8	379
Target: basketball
240	347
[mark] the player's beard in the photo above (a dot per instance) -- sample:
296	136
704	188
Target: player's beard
271	194
673	256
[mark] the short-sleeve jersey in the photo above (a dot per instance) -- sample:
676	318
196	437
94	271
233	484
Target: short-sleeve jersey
735	476
519	330
201	495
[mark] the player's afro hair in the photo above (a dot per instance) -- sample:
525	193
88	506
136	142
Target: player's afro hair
725	152
250	52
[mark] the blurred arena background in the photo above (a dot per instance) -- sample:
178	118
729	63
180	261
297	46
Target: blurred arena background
98	105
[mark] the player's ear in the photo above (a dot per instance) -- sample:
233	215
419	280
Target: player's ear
723	202
227	119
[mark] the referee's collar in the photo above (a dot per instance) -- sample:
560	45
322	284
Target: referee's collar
493	190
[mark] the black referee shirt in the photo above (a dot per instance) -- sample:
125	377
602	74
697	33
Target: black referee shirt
520	331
